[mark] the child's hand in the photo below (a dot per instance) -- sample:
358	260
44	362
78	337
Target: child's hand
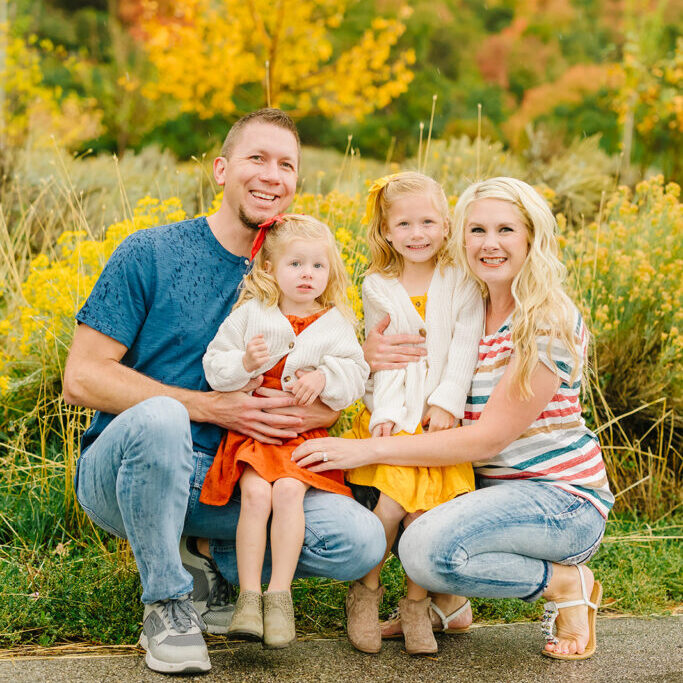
308	387
383	429
438	419
256	354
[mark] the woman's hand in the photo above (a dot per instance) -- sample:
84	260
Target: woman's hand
333	453
437	418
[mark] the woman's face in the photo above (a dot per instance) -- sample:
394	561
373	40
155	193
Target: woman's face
496	241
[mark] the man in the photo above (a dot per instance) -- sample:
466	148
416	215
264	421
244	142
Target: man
136	359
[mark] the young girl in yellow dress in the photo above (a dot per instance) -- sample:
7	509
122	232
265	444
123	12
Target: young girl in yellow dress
413	279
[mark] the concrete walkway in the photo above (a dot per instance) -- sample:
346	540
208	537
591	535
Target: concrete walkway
629	649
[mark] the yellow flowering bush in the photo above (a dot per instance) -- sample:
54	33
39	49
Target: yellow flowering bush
212	54
37	331
627	274
36	112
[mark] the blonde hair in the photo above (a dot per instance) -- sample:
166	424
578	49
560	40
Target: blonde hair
542	307
384	258
260	284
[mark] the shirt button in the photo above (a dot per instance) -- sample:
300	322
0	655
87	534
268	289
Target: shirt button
291	345
287	379
423	332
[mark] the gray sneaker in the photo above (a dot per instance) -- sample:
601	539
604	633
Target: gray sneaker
212	595
172	637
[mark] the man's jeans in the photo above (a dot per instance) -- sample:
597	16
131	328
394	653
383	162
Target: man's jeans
141	480
500	540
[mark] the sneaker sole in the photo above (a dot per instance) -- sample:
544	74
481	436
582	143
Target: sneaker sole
189	666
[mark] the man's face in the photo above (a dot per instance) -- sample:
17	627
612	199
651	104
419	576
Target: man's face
260	176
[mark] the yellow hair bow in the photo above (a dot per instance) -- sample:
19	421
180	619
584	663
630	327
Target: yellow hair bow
374	190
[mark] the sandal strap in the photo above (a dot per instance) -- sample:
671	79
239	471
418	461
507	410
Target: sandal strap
446	619
575	603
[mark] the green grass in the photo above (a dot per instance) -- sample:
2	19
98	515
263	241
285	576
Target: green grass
89	591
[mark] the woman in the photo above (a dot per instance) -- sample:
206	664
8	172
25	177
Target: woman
539	512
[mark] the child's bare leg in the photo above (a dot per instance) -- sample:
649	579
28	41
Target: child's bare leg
390	513
286	531
251	529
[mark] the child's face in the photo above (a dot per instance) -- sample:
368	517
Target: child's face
302	272
415	228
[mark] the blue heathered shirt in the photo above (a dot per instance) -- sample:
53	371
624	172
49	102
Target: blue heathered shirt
163	294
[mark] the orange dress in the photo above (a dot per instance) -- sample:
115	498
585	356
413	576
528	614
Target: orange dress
270	461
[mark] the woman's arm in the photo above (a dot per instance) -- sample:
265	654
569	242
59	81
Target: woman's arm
504	419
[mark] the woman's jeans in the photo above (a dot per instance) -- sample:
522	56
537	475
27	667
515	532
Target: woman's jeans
500	540
141	480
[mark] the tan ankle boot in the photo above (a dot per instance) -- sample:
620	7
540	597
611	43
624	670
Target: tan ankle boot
362	617
247	621
279	628
417	626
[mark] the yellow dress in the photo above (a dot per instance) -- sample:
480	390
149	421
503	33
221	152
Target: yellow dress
414	488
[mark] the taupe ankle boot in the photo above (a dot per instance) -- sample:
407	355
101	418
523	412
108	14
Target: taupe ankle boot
247	621
279	627
362	617
417	626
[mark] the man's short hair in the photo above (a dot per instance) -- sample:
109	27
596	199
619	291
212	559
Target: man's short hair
275	117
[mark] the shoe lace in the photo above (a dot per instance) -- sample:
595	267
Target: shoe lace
221	591
181	615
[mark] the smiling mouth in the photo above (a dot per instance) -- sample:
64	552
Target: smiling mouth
418	246
263	195
494	261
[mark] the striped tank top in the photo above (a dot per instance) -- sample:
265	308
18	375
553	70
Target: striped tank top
557	448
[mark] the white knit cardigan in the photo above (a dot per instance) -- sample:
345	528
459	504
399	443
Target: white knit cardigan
453	324
328	344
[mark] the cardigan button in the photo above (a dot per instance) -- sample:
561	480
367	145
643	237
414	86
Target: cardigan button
287	379
423	332
291	345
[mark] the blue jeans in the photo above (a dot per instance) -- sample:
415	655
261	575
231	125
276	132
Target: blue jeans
500	541
141	480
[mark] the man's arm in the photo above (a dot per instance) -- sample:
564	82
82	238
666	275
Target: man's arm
94	377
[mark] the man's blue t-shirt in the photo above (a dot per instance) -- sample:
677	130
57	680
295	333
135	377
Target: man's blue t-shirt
163	294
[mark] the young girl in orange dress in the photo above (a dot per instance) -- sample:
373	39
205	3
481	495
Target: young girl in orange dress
293	325
413	279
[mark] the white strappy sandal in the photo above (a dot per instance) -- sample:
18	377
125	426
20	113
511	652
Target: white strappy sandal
441	628
552	609
446	619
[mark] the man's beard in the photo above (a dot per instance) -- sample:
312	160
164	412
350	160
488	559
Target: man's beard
247	221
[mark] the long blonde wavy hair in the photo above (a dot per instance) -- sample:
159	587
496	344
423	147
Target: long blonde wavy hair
260	284
384	259
542	307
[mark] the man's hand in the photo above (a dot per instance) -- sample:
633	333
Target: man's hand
382	429
391	351
308	387
437	418
248	415
256	354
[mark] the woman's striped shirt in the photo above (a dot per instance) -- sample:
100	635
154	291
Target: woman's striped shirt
557	448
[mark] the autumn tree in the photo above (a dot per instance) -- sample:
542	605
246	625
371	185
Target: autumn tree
224	56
